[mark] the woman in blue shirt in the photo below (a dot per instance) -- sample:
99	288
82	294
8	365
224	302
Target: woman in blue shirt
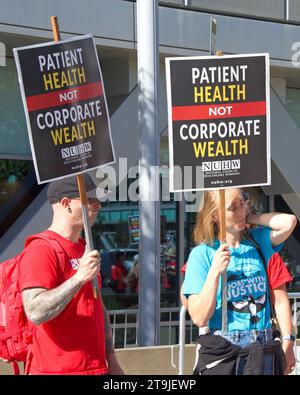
248	305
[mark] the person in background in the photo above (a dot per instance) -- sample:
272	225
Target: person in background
71	333
133	275
169	268
119	273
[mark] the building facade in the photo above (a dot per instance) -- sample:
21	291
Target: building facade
271	26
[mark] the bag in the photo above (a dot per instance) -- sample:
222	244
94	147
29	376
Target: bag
15	334
218	356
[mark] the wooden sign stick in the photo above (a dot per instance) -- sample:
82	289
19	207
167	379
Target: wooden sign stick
81	185
222	237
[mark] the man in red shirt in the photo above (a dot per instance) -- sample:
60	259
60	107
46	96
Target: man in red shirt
71	329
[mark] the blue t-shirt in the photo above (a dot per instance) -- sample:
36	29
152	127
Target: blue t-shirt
247	288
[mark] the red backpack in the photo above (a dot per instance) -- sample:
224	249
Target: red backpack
15	335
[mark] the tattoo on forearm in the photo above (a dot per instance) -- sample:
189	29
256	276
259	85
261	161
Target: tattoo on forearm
42	305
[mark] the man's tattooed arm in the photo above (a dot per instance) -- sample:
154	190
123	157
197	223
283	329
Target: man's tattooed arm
42	305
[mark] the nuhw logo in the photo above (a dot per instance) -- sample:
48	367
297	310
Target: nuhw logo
221	165
76	150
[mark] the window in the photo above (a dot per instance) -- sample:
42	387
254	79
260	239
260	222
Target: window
293	103
12	173
14	139
119	246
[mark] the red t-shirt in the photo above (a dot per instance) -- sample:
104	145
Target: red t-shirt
278	274
74	341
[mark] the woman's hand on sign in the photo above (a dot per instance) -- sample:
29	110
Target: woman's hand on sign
89	265
221	259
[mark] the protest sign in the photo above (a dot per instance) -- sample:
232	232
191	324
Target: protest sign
65	106
134	229
219	121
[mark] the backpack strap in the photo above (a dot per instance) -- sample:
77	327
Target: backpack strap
28	360
16	368
262	257
60	253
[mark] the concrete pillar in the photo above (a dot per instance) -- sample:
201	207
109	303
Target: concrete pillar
149	157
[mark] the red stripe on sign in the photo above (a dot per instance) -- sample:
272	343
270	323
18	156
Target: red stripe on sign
67	96
232	110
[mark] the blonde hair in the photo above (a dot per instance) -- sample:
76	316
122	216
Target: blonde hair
206	228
